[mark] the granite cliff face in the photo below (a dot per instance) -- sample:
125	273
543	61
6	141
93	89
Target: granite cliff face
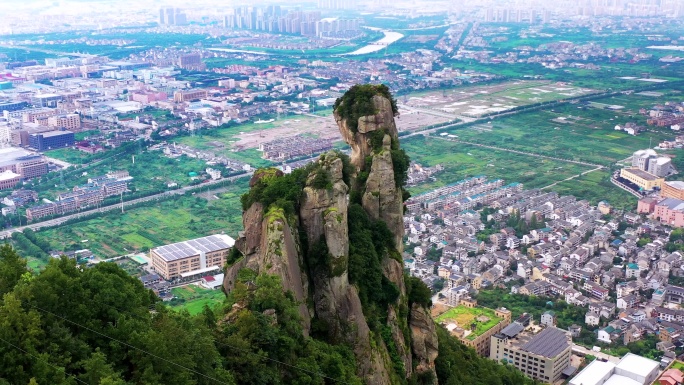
299	227
323	216
375	142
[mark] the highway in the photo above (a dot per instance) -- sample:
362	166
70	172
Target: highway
58	221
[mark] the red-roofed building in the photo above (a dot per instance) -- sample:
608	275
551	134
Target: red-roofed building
212	281
671	377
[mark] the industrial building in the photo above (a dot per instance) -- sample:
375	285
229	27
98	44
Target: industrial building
27	164
186	96
544	356
642	179
66	121
193	257
648	160
51	140
631	370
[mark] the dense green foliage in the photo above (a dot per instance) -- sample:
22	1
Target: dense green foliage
357	102
566	314
272	187
418	292
95	325
369	242
457	364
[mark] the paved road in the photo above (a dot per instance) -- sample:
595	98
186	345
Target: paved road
58	221
599	355
572	177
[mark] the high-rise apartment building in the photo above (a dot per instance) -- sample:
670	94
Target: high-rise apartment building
191	61
172	16
337	4
274	19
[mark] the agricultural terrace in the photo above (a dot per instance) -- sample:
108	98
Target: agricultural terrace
463	317
477	101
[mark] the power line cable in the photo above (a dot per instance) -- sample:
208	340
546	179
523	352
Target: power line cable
45	361
132	347
216	342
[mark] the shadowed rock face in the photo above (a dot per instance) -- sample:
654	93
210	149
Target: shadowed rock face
423	339
382	198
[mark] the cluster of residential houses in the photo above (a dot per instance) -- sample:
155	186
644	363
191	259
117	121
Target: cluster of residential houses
418	173
294	147
83	196
579	254
669	114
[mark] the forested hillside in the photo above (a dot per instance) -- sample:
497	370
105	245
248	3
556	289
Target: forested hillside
69	325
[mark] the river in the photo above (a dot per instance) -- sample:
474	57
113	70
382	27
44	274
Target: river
390	37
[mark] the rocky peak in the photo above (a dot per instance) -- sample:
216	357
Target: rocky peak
299	227
361	112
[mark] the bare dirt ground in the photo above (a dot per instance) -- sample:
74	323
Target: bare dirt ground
478	100
325	128
438	309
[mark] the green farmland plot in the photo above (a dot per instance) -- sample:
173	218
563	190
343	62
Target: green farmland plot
568	132
463	160
483	319
193	298
159	223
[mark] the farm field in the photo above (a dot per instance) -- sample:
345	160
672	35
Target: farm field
462	160
141	228
193	298
476	101
463	317
571	132
151	170
241	142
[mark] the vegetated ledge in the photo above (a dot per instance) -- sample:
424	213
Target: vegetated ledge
357	102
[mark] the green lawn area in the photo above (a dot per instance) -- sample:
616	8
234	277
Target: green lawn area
71	155
464	317
193	298
36	264
677	365
138	229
